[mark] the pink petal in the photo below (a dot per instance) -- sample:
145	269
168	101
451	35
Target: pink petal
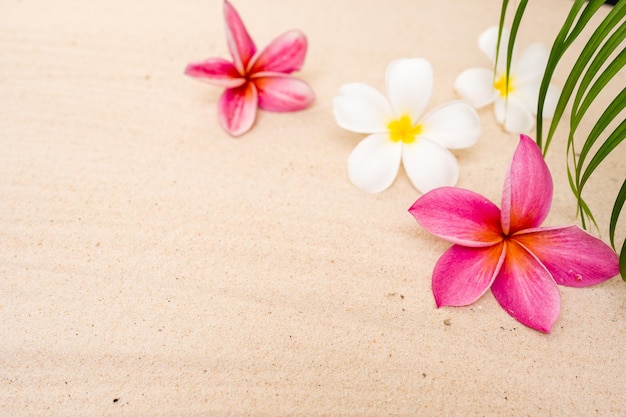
527	193
216	71
237	109
462	275
526	290
283	93
574	257
240	44
285	54
459	216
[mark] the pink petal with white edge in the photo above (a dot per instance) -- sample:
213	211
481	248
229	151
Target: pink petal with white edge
283	93
240	44
459	216
462	275
373	165
526	290
409	86
237	109
475	85
487	42
285	54
574	257
362	109
514	115
216	71
454	125
429	165
527	193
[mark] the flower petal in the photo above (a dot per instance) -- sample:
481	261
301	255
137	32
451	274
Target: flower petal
373	165
285	54
531	63
551	100
527	193
487	42
362	109
454	125
574	257
409	86
475	85
429	165
459	216
528	94
526	290
237	109
216	71
240	45
283	93
462	275
514	115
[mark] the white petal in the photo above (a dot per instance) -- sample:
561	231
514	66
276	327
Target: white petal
487	42
528	94
409	86
531	63
362	109
475	85
514	115
373	165
552	98
454	125
429	165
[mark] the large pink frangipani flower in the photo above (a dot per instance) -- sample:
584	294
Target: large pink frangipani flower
255	79
506	249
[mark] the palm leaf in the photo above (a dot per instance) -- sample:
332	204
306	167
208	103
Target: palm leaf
592	71
568	33
617	208
622	261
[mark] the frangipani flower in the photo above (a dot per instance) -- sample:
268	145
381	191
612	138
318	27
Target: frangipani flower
506	249
255	79
398	134
515	107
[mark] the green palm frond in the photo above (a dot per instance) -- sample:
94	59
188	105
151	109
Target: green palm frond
603	56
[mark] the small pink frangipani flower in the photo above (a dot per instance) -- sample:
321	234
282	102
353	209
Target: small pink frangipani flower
255	79
506	249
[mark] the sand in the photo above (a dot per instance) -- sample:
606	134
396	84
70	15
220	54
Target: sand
151	265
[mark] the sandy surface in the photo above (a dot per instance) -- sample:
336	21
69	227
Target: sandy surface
151	265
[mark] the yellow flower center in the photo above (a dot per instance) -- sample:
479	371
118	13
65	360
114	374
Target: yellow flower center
501	86
402	129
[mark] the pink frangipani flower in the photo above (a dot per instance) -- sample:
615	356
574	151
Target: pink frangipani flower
506	249
255	79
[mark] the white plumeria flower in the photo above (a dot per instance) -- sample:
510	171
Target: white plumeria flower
515	107
397	134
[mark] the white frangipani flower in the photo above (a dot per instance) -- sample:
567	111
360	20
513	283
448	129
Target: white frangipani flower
515	107
398	134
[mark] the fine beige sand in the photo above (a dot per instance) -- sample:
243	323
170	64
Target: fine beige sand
151	265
